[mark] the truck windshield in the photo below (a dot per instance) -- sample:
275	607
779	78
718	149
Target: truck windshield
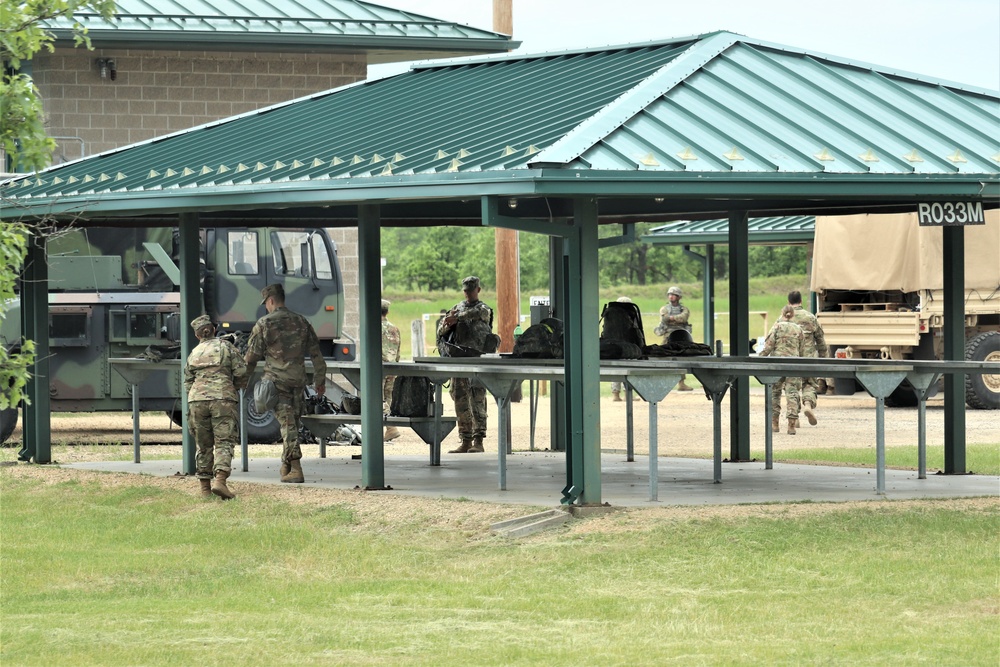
294	250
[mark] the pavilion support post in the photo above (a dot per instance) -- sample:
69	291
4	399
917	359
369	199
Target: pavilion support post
370	346
739	333
557	306
708	290
953	259
36	417
191	307
582	358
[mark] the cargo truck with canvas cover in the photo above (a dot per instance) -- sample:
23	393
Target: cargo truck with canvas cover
880	284
113	292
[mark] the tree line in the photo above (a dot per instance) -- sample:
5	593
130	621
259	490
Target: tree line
437	258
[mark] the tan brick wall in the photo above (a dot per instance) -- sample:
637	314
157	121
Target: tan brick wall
158	92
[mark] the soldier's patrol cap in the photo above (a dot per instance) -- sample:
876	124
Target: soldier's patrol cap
385	304
201	321
275	290
470	283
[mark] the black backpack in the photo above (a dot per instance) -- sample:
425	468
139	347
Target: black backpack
622	336
411	397
541	341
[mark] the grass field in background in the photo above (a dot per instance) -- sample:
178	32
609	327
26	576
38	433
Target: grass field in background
127	572
767	295
979	459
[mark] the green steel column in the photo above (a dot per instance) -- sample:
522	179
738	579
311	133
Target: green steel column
370	346
36	422
557	301
582	363
739	334
953	258
708	290
192	305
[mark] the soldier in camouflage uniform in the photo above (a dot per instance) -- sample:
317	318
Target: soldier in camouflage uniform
674	317
785	340
213	375
283	339
815	346
390	352
470	398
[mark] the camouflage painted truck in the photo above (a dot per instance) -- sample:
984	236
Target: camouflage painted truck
880	288
114	292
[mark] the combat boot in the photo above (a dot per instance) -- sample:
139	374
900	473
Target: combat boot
295	475
774	424
477	445
465	447
206	487
791	426
682	386
617	396
809	413
219	487
391	433
284	469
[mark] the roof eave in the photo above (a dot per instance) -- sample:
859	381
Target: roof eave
289	42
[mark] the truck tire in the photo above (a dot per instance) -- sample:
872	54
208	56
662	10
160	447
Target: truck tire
175	416
261	428
982	392
8	420
903	396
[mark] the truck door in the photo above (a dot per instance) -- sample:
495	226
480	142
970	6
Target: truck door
305	262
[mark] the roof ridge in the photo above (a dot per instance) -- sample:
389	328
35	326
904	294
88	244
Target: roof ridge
574	143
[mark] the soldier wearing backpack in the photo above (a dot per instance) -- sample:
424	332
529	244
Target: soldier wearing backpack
467	330
674	317
390	352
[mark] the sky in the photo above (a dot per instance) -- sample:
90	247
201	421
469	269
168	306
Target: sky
955	40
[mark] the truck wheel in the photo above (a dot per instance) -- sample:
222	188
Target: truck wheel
175	416
8	420
261	428
982	392
902	396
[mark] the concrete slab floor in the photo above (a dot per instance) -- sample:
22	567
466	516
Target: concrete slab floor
537	478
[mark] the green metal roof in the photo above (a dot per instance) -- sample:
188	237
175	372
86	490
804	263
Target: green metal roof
705	123
788	229
388	34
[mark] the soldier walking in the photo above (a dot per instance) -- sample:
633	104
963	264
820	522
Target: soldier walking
814	345
283	339
390	352
213	375
785	340
468	325
674	317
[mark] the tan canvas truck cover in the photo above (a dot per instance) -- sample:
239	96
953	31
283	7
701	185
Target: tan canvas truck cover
892	252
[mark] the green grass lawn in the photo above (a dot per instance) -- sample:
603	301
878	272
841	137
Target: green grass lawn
128	572
979	459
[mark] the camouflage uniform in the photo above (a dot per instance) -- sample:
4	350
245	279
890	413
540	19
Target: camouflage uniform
814	346
283	339
470	397
390	352
674	318
214	372
785	340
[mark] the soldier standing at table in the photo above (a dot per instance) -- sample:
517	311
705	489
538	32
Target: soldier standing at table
390	352
213	375
283	338
469	324
785	340
814	346
673	317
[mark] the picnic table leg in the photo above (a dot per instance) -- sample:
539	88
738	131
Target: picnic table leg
438	409
502	404
629	435
880	446
135	423
244	450
654	455
532	414
768	433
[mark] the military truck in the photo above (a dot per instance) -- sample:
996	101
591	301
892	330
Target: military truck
880	288
114	293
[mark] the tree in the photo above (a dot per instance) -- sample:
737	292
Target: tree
26	144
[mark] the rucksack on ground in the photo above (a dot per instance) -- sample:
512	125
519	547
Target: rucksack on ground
622	336
412	396
541	341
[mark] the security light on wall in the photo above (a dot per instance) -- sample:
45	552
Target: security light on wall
108	68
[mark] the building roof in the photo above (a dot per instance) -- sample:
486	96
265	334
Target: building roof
688	122
789	229
384	33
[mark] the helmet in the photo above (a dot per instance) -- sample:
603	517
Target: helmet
674	289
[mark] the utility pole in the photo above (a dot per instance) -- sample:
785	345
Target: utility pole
506	241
